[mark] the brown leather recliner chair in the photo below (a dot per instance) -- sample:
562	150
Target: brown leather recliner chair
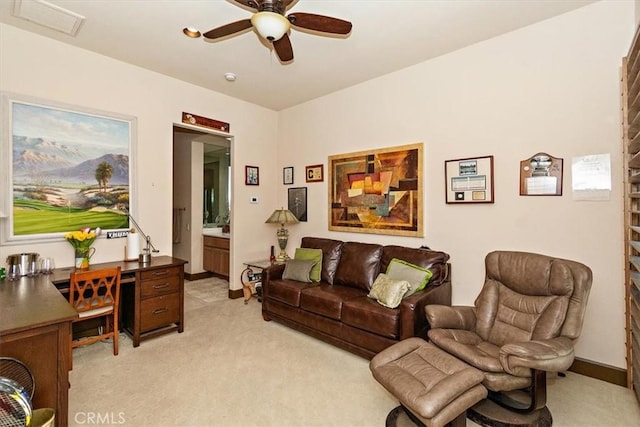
525	323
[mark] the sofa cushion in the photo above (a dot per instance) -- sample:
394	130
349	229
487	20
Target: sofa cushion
435	261
311	255
366	314
387	291
331	250
417	276
287	291
359	265
298	270
327	300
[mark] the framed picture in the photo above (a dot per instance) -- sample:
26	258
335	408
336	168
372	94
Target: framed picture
63	167
297	202
287	175
377	191
469	180
314	173
251	175
541	175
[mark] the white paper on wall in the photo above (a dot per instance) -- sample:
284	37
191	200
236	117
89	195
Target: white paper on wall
591	177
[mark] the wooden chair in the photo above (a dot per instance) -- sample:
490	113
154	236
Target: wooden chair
96	294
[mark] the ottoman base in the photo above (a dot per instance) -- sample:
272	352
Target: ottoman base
489	413
402	417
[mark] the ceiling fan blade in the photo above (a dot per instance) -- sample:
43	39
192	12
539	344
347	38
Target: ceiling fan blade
283	48
324	24
225	30
252	4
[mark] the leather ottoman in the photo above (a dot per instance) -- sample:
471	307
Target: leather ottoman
435	387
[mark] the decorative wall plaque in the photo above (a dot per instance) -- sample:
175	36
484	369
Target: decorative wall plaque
541	175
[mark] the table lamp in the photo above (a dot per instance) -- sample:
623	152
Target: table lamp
282	216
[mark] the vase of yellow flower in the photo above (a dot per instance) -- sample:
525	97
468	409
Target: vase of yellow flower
81	241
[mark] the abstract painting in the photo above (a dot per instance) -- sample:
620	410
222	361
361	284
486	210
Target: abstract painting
377	191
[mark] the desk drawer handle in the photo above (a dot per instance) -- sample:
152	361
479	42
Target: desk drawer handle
164	285
161	273
160	310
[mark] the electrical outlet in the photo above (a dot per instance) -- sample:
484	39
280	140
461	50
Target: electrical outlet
253	199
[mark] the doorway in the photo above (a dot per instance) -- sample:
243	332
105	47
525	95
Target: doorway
202	192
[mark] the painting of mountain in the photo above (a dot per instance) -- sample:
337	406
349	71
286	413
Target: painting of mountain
70	169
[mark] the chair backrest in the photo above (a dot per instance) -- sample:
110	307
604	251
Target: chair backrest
94	289
529	296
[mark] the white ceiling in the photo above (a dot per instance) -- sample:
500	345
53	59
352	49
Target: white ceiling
387	35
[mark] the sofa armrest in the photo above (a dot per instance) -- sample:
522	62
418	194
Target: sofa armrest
273	273
268	274
413	321
447	317
552	355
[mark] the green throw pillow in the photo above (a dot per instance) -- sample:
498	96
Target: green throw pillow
387	291
418	277
311	255
298	270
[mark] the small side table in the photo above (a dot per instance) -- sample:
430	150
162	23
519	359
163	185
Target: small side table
251	277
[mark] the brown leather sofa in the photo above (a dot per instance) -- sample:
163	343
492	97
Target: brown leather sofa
337	309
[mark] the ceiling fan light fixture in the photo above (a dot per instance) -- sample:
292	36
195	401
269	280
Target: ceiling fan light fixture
270	25
191	32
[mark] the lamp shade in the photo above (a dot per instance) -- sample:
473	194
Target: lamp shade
282	216
270	25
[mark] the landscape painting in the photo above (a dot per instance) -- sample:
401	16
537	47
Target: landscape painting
69	169
377	191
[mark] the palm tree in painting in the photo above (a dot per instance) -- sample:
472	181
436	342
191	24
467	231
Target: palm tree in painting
103	174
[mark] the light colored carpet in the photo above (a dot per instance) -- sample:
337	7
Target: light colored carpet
231	368
199	293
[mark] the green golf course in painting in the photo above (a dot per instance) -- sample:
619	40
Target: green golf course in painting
32	217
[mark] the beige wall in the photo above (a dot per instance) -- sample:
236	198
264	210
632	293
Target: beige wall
40	67
552	87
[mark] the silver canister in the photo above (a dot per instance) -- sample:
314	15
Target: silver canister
24	264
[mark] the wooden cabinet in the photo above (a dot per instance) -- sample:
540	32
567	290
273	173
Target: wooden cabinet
215	257
35	322
631	148
156	305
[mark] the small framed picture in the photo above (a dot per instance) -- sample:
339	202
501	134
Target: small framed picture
314	173
297	202
469	180
252	176
287	175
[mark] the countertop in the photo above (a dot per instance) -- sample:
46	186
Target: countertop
215	232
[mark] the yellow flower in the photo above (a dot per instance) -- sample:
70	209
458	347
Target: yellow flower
81	239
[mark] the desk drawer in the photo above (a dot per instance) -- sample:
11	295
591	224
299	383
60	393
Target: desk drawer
160	273
156	287
158	312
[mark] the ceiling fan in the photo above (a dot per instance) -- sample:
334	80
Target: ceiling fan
270	22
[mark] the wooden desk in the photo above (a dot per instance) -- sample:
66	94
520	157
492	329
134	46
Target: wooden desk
35	321
151	295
